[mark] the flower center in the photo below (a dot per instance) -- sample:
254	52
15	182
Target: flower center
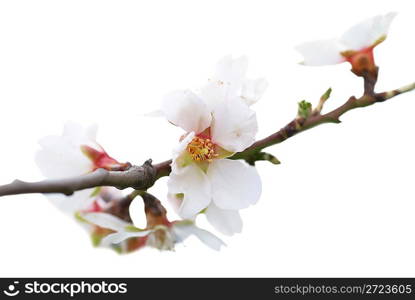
201	149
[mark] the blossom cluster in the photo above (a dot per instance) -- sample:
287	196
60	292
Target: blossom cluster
217	121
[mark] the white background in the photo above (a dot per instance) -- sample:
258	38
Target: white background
340	204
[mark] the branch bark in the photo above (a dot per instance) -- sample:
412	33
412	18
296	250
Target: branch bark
137	177
143	177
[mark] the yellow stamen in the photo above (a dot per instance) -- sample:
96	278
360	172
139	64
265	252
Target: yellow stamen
201	149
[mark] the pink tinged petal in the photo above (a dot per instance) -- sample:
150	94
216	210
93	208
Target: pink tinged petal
234	125
368	32
321	52
193	184
253	89
225	221
186	110
235	184
100	158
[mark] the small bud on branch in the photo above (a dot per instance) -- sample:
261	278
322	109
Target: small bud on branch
322	101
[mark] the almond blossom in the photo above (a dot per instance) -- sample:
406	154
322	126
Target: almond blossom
355	45
163	235
218	122
73	153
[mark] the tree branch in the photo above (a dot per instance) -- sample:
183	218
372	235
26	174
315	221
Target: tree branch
137	177
299	125
143	177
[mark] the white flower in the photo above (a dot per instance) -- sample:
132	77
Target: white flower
355	45
162	236
218	123
61	156
73	153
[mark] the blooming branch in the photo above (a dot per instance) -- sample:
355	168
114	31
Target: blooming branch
212	170
143	177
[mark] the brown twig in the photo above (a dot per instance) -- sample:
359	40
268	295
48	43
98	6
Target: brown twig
333	116
137	177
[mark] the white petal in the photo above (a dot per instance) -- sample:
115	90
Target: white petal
105	220
183	231
61	157
231	70
80	200
366	33
193	183
175	201
91	132
321	52
73	129
209	239
79	135
225	221
186	110
253	89
227	81
216	92
235	184
118	237
234	126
